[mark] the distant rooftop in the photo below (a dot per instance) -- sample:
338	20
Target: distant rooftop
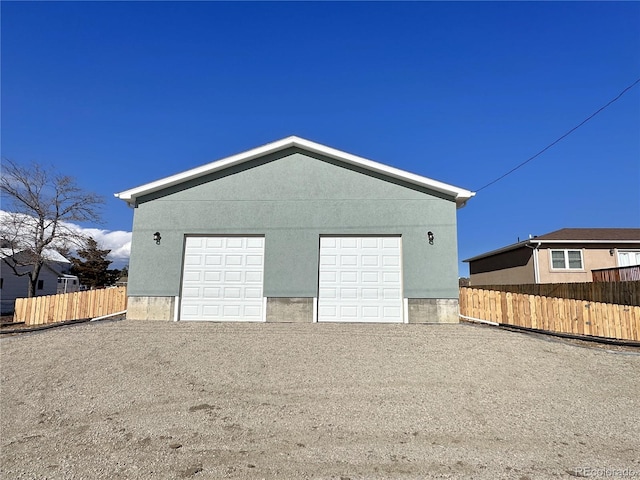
572	235
604	234
48	254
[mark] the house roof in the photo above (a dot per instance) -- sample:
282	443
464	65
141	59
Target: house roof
593	234
460	195
48	254
572	235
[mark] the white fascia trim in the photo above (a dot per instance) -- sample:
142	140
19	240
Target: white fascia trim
405	310
315	310
264	309
176	309
461	195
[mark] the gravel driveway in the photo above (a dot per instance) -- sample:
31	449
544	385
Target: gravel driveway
145	400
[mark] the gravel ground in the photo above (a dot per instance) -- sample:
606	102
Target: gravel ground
156	400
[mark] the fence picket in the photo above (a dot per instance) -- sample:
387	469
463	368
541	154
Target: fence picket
70	306
563	315
626	292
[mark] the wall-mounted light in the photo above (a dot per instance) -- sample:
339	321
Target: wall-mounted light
430	237
157	238
611	252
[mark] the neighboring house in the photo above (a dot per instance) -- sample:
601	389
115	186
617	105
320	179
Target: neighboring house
294	231
13	286
563	256
68	284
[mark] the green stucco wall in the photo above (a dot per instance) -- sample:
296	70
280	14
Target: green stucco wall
292	198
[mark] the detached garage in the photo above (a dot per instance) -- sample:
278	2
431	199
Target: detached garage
294	231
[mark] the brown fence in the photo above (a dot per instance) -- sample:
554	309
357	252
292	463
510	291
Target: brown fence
620	274
622	293
70	306
562	315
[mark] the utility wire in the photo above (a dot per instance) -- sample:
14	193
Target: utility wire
562	137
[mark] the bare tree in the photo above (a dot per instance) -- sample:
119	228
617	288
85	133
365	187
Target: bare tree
42	203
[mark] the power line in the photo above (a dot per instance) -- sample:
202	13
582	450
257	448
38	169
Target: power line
562	137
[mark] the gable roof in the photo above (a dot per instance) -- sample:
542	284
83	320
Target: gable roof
460	195
593	234
48	254
572	235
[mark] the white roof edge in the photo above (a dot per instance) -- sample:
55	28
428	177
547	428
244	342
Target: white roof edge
461	195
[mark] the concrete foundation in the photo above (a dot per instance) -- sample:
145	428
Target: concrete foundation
297	309
433	310
150	308
293	310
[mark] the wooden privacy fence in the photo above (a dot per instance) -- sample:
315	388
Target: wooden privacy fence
620	274
561	315
622	292
70	306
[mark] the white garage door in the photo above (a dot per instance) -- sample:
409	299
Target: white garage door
222	279
360	279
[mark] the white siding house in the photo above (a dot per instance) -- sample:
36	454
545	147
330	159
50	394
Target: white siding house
13	286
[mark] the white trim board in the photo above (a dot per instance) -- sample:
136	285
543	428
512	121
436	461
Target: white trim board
460	195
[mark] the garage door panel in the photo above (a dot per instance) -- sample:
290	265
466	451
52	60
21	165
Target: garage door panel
191	292
349	293
213	259
370	261
251	311
391	242
390	260
391	294
392	312
211	292
349	311
370	294
253	277
231	311
211	310
190	310
348	277
254	242
328	293
370	313
232	293
254	260
233	276
360	279
369	242
233	260
327	276
193	276
223	279
194	242
211	276
370	277
348	260
193	260
328	260
328	312
253	293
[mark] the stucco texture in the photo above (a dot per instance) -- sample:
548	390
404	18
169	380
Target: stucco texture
292	198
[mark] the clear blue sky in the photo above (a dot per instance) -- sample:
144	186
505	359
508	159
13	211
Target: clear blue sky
119	94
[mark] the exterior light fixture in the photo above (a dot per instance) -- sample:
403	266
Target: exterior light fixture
611	252
430	237
157	238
